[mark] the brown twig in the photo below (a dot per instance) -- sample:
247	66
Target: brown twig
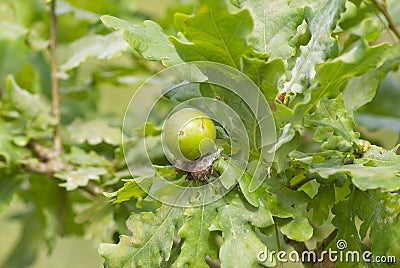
42	152
375	11
297	185
300	247
213	263
54	79
383	9
52	166
48	168
327	241
49	164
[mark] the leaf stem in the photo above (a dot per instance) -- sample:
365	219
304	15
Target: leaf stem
383	9
54	79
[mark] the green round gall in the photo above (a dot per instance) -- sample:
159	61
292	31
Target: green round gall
189	133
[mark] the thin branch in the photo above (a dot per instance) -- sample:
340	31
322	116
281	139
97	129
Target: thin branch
392	35
48	168
297	185
55	165
49	164
54	80
327	241
213	263
300	247
42	152
383	9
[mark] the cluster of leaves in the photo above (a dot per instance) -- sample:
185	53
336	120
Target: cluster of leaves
318	63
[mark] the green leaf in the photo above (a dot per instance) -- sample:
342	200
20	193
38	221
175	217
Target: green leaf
298	228
380	212
80	14
151	240
334	125
385	102
80	177
375	170
149	40
321	46
9	184
332	76
286	207
31	241
79	157
265	75
94	132
345	220
182	92
11	31
97	219
131	189
369	29
322	203
30	107
198	241
275	24
231	173
102	47
213	34
7	150
288	133
241	243
51	208
361	90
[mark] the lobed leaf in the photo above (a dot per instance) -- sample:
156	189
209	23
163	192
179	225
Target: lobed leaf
149	40
334	125
275	24
8	152
94	132
102	47
380	213
131	189
266	75
241	243
32	108
196	232
286	207
151	240
213	34
9	185
321	46
332	76
80	177
375	170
